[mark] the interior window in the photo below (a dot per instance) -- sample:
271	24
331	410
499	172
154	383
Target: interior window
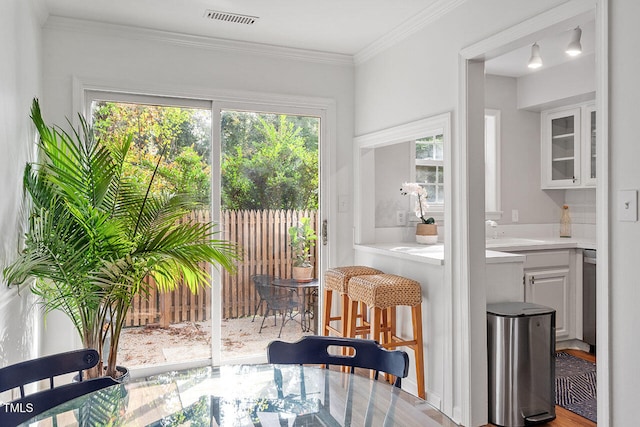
429	163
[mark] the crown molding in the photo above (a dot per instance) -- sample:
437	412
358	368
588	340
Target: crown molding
414	24
128	32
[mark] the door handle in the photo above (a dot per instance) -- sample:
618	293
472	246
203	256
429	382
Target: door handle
325	237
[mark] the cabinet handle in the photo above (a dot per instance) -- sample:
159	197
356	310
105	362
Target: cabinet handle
574	179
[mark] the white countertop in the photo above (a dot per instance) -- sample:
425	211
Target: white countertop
517	244
499	250
430	254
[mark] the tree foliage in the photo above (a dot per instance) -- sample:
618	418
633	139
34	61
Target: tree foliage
154	129
269	161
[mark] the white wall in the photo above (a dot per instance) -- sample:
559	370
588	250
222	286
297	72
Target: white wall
520	157
392	169
569	83
136	59
19	83
624	237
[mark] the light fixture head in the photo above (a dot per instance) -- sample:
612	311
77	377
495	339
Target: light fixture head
575	48
535	61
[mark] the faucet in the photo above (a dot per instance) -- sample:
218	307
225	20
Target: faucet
494	226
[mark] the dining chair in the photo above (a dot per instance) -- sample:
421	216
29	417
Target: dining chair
20	374
277	299
359	353
366	354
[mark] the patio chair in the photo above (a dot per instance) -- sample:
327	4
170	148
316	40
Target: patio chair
366	354
277	299
29	405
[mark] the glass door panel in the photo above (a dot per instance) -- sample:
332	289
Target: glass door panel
164	327
269	166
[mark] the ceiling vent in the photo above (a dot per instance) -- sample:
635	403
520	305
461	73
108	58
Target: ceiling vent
234	18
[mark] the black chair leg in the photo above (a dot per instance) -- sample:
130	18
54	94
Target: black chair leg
255	311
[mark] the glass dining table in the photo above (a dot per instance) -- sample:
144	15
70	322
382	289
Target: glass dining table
248	395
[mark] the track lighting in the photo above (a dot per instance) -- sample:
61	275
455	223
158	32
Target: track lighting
535	61
575	48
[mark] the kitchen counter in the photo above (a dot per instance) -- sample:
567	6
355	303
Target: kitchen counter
516	244
499	250
430	254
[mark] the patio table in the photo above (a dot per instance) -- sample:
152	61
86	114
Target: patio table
308	293
249	395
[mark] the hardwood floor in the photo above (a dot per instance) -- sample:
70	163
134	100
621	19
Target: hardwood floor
565	418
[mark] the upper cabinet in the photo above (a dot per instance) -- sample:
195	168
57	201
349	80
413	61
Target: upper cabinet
568	147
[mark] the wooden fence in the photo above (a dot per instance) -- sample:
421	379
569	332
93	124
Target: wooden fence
261	236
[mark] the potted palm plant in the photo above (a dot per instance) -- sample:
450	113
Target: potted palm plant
302	240
93	236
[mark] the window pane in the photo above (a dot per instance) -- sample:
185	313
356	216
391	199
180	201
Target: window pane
431	192
424	151
439	151
430	148
426	174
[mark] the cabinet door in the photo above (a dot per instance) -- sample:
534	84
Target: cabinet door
561	148
589	145
550	288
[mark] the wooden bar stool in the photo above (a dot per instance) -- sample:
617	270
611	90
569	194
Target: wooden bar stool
337	279
382	293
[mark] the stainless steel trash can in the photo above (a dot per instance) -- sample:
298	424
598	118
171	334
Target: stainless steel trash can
521	352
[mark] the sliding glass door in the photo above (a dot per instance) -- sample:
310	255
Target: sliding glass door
255	172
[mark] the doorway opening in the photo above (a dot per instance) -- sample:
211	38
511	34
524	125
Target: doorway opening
473	62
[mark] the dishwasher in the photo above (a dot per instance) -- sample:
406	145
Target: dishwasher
589	298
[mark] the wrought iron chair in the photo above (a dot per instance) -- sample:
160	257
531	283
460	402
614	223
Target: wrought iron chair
278	300
366	354
48	367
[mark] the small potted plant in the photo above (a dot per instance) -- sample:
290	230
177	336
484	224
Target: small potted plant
303	239
426	229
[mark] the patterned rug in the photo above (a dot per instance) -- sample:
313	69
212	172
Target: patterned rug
576	385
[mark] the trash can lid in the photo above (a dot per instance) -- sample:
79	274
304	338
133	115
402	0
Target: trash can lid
518	309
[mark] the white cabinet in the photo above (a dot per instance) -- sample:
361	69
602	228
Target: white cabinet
550	288
568	147
549	280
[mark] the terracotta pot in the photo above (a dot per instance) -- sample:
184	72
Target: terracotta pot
427	233
302	274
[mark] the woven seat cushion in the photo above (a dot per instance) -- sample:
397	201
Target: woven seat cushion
385	290
337	278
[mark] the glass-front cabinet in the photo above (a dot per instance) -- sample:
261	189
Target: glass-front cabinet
568	147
